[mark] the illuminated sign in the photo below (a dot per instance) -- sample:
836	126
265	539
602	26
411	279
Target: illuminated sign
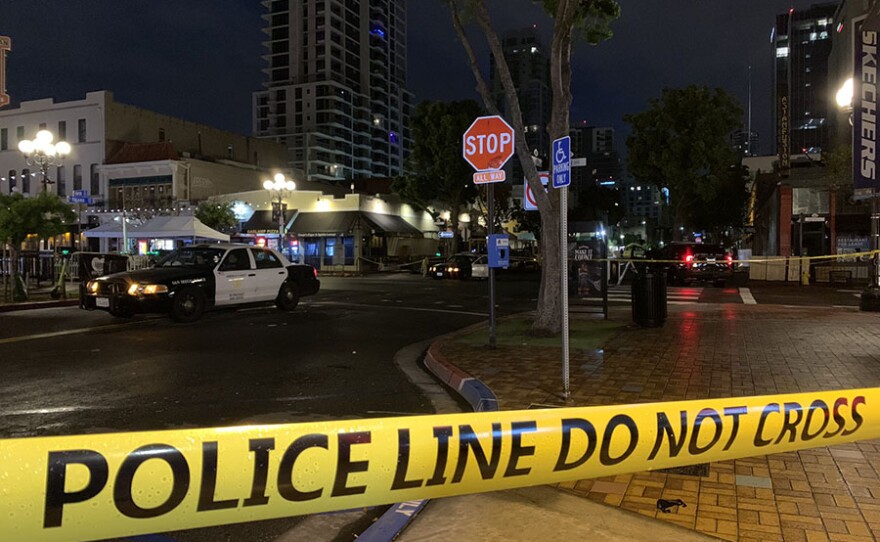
5	45
864	114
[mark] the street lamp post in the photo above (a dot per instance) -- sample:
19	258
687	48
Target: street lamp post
41	152
279	188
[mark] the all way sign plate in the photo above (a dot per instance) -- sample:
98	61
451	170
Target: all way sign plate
484	177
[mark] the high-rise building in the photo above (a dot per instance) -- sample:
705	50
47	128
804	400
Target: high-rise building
529	63
801	42
745	143
596	144
335	91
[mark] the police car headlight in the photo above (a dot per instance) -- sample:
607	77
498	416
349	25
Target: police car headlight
146	289
92	286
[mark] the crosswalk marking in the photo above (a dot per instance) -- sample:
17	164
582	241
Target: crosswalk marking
674	295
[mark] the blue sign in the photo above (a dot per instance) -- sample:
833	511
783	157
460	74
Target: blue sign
447	235
79	199
80	193
865	102
562	162
499	250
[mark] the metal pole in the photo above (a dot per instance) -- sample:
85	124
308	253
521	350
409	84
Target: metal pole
490	228
563	263
280	225
875	241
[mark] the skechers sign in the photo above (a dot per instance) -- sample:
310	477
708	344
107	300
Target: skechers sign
865	103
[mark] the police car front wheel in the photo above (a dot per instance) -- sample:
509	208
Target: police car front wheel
188	305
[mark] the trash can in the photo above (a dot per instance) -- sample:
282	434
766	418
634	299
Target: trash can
649	297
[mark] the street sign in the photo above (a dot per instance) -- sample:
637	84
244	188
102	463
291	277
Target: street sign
487	145
864	102
578	162
446	234
80	193
79	199
562	162
529	203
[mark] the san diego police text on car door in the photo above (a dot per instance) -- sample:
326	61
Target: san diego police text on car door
191	280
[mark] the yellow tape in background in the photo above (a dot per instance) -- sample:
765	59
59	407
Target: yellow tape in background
101	486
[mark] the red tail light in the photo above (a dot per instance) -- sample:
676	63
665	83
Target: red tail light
315	271
689	258
729	259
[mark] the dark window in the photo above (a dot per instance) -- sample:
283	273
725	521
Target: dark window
230	153
161	135
4	139
81	137
42	126
19	132
62	130
62	183
11	180
77	177
265	259
25	181
93	174
236	260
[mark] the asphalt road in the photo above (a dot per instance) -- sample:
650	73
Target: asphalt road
68	371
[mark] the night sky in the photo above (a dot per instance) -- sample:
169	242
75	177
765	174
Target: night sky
200	59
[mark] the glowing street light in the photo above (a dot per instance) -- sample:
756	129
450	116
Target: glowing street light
279	187
844	96
41	152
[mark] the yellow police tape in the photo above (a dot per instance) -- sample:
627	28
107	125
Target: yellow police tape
91	487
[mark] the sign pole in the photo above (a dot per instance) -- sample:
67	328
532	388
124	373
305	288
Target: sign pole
563	262
490	228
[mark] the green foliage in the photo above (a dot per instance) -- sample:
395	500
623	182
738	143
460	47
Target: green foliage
727	207
593	19
596	202
839	163
681	142
44	215
218	216
437	172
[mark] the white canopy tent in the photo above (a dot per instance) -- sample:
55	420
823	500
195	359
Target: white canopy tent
160	227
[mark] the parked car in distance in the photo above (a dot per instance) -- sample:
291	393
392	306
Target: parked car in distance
687	263
480	267
194	279
456	267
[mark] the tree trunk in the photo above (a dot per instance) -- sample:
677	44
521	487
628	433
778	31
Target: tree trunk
548	314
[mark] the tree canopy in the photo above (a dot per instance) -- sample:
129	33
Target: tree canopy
438	175
218	216
681	143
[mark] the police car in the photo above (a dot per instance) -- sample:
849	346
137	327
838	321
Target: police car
194	279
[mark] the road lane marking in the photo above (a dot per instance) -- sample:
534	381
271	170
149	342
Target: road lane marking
65	332
420	309
747	297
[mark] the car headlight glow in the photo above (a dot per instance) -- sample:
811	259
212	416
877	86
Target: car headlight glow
146	289
455	270
92	286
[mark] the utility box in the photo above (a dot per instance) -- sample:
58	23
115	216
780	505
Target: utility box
499	250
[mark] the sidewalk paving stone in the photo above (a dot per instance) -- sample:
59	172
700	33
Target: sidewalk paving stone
716	351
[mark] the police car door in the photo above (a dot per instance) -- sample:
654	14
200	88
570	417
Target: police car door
234	278
270	272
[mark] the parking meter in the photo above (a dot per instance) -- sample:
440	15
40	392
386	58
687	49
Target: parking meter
499	250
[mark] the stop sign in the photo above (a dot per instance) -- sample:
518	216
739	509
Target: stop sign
488	144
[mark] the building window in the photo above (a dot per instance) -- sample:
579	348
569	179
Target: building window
77	177
11	180
25	181
229	151
62	130
161	135
59	178
81	137
19	133
4	139
93	174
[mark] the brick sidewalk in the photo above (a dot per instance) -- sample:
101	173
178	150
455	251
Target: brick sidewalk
715	351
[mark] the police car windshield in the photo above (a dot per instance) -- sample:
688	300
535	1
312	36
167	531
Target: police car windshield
192	257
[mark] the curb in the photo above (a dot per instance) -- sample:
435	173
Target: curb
39	305
477	394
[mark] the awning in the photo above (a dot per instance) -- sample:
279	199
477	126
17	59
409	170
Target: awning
345	222
111	230
392	224
261	222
